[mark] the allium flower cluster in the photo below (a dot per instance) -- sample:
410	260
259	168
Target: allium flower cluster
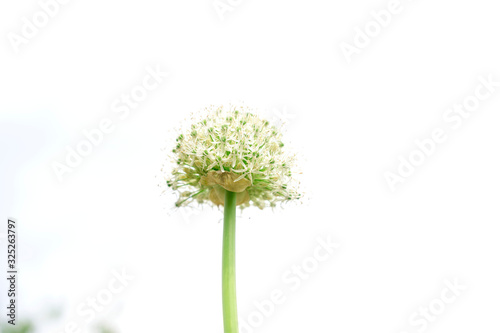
235	150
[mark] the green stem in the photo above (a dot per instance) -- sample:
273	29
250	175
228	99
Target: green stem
228	265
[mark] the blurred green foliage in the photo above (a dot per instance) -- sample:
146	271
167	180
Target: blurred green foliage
23	327
29	327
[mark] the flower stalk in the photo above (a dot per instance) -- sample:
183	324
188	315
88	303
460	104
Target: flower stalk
229	307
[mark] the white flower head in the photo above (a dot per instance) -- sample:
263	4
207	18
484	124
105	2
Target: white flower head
230	148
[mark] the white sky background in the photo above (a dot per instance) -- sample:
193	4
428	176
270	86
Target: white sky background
351	121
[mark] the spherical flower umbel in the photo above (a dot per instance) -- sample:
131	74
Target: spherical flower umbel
230	148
